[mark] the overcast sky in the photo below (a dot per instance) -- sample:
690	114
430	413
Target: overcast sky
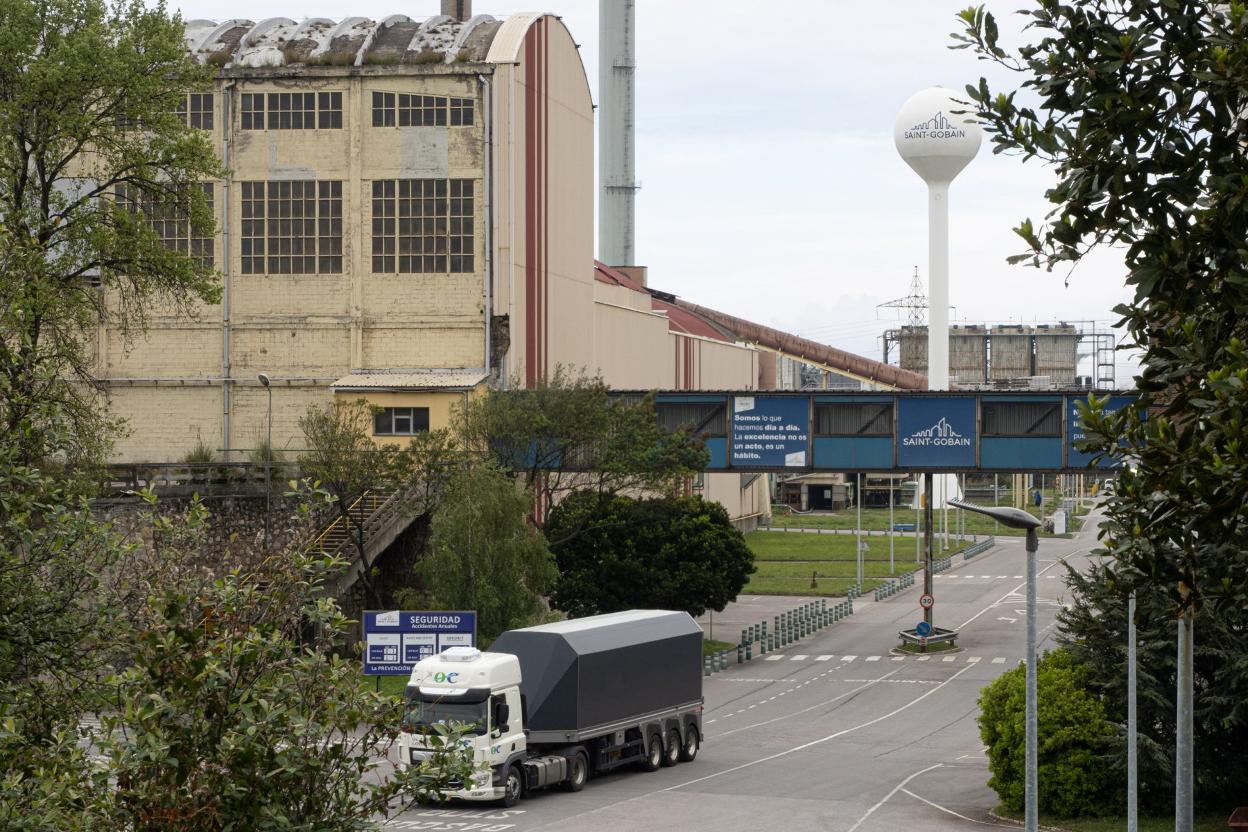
771	188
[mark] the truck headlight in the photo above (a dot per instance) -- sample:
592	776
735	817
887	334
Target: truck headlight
481	778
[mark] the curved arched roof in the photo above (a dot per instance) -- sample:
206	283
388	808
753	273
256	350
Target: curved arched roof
353	41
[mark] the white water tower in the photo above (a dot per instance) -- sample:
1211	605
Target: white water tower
937	144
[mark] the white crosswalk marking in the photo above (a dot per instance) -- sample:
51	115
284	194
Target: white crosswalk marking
899	658
999	660
973	659
822	658
873	658
1000	577
775	657
848	658
1018	577
947	659
798	658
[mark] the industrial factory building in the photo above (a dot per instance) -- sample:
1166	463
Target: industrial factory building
408	218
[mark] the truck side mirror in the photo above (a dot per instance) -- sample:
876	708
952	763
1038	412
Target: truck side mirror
501	712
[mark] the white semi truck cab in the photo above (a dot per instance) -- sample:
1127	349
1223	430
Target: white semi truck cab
559	703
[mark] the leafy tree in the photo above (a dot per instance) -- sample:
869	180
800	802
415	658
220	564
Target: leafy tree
347	463
1094	632
89	93
1138	107
1073	777
670	553
236	713
568	433
485	556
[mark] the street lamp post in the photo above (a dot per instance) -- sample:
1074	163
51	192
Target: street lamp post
1016	518
268	461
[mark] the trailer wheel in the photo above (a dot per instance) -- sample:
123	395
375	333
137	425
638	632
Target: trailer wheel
514	787
578	772
654	753
671	748
692	742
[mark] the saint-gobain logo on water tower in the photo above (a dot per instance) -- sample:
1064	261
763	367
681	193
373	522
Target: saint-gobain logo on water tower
936	127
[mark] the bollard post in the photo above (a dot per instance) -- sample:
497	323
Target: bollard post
706	665
740	654
749	651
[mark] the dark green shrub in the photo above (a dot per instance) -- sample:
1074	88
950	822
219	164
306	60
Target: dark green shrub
1075	778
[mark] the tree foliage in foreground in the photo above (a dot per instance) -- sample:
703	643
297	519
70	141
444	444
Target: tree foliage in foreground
1138	107
89	99
1094	632
668	553
1074	780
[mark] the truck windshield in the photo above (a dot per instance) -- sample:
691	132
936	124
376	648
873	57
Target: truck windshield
420	712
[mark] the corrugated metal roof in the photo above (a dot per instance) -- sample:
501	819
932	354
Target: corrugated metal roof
353	41
409	381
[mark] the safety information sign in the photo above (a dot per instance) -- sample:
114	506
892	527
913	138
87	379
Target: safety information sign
395	640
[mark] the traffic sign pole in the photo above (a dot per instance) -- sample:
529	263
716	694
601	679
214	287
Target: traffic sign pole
927	546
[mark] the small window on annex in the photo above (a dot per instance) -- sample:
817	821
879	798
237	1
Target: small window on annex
401	421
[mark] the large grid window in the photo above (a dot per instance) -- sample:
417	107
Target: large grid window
292	227
1021	418
252	112
423	226
291	111
405	110
199	114
401	421
854	419
169	219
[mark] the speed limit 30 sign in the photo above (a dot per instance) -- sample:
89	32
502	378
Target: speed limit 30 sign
926	601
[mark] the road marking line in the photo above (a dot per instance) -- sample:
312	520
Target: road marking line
1002	577
776	657
822	704
822	658
973	659
955	814
1018	577
886	797
999	660
873	658
848	658
798	658
948	658
924	658
899	658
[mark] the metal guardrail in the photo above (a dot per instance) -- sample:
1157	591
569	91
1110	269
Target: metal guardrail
786	628
978	548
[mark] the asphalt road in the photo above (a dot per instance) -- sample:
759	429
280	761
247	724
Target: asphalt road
833	732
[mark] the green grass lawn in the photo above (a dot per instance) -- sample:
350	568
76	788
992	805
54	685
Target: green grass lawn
787	561
876	519
710	646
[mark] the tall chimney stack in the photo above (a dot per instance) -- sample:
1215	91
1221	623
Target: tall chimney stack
617	184
458	9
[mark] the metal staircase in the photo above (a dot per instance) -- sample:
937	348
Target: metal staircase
380	515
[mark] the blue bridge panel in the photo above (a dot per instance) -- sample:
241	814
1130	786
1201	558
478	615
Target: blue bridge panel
1018	453
867	453
718	447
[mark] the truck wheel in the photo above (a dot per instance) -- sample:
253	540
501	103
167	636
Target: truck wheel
514	787
654	753
578	773
671	748
690	749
